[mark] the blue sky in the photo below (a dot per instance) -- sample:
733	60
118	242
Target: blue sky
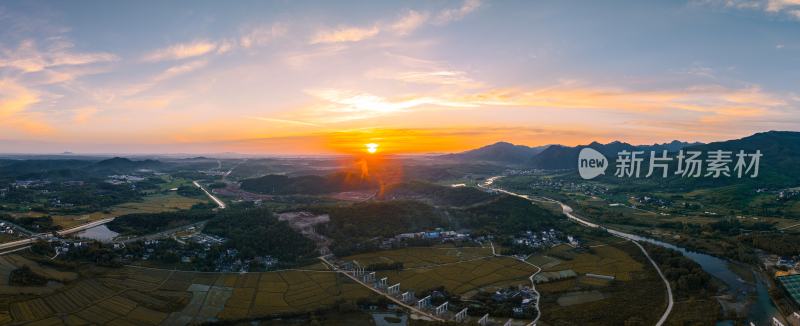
417	76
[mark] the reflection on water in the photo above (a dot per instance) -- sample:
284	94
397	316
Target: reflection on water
100	233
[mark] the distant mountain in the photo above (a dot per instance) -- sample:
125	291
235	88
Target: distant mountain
565	157
500	152
780	160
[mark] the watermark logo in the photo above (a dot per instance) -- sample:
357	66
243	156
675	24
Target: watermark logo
686	164
591	163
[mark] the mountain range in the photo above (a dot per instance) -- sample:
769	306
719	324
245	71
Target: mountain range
781	150
553	157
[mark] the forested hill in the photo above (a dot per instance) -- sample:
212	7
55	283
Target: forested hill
435	194
308	184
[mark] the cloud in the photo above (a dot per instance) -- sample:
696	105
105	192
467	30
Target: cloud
180	70
409	22
779	5
15	100
260	36
287	121
83	115
181	51
451	15
344	34
430	77
345	105
29	58
790	8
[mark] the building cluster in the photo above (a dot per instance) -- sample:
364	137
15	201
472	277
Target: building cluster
63	246
586	188
652	201
544	239
7	228
526	296
29	183
120	179
438	235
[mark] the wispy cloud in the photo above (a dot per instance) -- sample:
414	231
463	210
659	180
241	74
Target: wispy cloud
84	114
262	35
409	22
344	34
287	121
345	105
450	15
790	8
15	101
430	77
180	69
29	58
182	51
406	23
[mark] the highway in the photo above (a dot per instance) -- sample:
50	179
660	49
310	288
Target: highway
567	211
220	203
38	236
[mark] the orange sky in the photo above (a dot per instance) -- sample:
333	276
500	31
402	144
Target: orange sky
414	77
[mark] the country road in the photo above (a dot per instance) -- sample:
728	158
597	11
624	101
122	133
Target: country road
567	211
533	283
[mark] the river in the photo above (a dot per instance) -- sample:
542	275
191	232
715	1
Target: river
760	311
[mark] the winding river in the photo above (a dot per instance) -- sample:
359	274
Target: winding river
760	311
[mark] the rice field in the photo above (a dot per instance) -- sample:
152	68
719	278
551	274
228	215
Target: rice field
418	257
460	271
140	296
605	260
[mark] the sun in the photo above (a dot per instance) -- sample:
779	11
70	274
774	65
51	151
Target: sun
371	147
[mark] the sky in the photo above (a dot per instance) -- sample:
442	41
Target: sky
292	77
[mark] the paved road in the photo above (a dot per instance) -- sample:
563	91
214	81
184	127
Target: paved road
568	212
220	203
399	302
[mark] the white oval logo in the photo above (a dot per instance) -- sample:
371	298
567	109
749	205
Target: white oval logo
591	163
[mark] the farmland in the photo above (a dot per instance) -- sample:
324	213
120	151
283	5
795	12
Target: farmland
631	294
141	296
151	204
461	271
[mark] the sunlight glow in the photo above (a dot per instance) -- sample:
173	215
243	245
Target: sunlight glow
371	147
